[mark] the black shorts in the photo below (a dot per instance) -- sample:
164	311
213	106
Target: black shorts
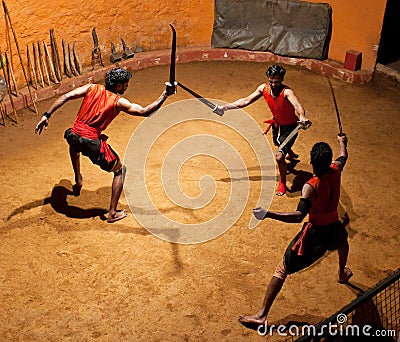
319	240
280	133
90	148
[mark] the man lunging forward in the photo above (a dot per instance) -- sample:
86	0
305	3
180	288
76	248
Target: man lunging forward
100	105
324	231
286	110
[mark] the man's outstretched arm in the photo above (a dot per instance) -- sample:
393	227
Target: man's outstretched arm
297	216
245	101
343	154
136	109
59	102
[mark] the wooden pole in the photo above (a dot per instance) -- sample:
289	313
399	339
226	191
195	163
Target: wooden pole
19	55
8	89
50	63
31	68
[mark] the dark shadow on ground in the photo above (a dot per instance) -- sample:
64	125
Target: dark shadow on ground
59	202
250	178
300	178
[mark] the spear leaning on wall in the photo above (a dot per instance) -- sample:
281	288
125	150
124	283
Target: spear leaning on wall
67	65
50	63
56	55
37	65
42	62
31	69
7	15
5	65
77	61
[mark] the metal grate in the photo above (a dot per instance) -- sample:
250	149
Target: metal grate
374	315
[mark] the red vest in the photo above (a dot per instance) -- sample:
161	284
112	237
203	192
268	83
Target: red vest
281	108
98	109
327	187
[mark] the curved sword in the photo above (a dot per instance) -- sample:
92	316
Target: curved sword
336	107
172	82
209	104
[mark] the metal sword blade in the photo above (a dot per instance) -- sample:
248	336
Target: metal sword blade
173	57
201	99
336	106
289	137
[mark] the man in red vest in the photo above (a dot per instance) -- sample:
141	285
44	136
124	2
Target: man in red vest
323	232
286	110
100	105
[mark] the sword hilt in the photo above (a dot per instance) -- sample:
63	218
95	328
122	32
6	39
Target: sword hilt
172	87
304	125
218	111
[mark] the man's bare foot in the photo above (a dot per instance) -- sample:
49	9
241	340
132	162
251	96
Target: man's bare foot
76	189
291	155
118	215
252	322
345	276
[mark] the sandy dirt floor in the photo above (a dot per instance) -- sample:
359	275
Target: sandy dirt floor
68	275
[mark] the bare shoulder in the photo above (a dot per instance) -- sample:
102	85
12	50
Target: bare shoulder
126	106
288	91
261	87
78	92
123	103
86	87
